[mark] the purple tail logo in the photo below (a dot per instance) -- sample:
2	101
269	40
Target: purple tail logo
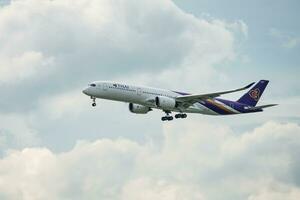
255	94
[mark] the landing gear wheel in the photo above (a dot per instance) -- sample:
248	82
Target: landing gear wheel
94	101
167	117
170	118
164	119
180	115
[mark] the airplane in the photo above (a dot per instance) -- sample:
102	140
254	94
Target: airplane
144	99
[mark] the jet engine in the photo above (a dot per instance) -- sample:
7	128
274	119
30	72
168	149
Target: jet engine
138	109
165	103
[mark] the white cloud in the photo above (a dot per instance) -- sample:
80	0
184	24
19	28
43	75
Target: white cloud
90	34
277	191
103	38
196	161
85	40
16	131
16	68
212	44
89	169
288	41
69	104
148	189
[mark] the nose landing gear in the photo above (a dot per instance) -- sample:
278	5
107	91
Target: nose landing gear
94	101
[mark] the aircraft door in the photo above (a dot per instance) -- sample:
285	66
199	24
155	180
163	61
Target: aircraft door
105	87
139	91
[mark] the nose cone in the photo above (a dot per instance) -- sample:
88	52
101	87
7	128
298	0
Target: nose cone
85	91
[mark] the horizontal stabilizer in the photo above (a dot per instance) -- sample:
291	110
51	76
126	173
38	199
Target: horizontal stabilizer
263	106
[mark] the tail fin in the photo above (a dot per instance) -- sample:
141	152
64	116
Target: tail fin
252	96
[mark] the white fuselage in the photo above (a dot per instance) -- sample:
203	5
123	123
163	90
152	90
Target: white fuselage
139	95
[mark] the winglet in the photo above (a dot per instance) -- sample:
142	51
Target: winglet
248	86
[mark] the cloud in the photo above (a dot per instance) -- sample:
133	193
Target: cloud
16	131
277	192
18	68
147	189
89	34
52	49
195	161
288	41
67	104
63	45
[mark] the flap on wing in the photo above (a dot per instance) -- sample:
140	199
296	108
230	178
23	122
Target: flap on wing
199	97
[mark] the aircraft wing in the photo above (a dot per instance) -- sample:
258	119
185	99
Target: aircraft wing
193	98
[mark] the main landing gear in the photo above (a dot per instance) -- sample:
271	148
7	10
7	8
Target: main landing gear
168	117
180	115
94	101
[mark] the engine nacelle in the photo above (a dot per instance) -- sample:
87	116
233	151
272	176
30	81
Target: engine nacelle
165	103
138	109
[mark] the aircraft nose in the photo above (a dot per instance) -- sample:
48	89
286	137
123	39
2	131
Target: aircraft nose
85	91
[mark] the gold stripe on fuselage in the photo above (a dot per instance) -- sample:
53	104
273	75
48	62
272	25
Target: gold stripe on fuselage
220	106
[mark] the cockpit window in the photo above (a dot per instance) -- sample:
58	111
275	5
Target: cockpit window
93	85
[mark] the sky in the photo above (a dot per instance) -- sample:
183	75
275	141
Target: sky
55	145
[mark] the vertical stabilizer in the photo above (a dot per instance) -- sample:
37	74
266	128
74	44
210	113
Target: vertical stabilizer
253	95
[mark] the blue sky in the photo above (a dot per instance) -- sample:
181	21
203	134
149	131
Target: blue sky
54	145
